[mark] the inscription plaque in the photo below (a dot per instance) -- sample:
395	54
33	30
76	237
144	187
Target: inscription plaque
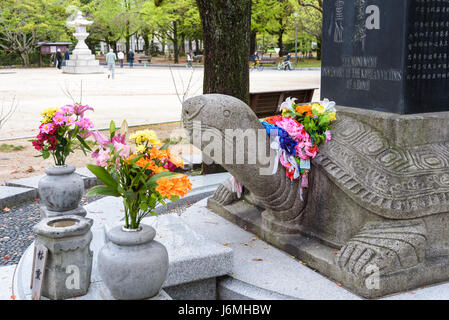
386	55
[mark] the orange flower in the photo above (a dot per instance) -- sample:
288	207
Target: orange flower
174	186
155	153
304	109
142	162
273	119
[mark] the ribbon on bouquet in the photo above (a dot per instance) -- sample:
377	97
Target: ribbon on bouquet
280	152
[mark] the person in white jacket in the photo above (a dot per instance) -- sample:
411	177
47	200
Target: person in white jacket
121	58
189	60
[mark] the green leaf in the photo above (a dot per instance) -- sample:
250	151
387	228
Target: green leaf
103	190
143	206
83	143
124	128
103	175
130	195
112	129
165	146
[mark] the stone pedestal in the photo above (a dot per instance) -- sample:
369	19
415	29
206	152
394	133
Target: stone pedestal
81	63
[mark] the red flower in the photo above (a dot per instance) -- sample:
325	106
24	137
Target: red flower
53	141
272	120
169	165
37	145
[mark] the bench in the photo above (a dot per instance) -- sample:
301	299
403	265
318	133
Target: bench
198	58
267	103
143	58
268	60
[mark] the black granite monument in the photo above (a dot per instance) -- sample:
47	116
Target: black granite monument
386	55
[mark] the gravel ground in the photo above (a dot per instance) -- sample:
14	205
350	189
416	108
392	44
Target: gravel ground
16	229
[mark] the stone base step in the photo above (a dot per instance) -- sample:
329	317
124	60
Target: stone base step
82	63
82	57
83	70
229	288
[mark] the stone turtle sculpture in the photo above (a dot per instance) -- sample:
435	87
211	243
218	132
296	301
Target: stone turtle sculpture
376	213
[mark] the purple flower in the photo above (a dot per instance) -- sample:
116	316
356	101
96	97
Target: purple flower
328	136
58	118
67	109
119	138
79	109
100	138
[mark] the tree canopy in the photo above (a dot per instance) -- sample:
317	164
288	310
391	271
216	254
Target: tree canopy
23	23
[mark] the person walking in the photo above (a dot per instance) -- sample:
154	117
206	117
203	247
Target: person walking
189	60
110	61
131	58
121	58
66	56
287	61
59	59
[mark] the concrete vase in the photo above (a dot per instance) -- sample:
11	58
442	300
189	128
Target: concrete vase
69	263
61	191
132	265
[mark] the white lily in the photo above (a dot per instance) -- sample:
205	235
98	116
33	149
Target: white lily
329	106
288	104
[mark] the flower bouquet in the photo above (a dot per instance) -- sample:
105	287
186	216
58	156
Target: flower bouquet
61	189
297	133
143	177
59	129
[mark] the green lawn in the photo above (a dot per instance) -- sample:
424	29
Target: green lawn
307	63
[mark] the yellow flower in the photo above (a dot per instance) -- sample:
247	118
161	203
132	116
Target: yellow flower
144	136
140	148
47	114
332	116
318	107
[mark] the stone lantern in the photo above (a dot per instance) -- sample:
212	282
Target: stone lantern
81	60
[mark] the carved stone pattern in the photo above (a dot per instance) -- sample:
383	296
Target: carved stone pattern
392	182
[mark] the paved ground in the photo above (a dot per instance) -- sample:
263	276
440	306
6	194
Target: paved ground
140	95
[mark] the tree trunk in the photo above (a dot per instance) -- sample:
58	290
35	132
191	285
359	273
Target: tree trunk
197	46
175	42
252	42
25	58
163	42
281	42
146	39
190	45
182	45
318	48
127	37
226	34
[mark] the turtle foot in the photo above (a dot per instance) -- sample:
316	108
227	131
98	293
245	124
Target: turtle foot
224	196
384	247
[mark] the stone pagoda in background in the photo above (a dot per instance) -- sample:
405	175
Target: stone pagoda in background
81	60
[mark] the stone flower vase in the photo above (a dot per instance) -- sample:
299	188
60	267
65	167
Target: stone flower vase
132	265
69	262
61	191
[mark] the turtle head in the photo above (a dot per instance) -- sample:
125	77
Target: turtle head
216	113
